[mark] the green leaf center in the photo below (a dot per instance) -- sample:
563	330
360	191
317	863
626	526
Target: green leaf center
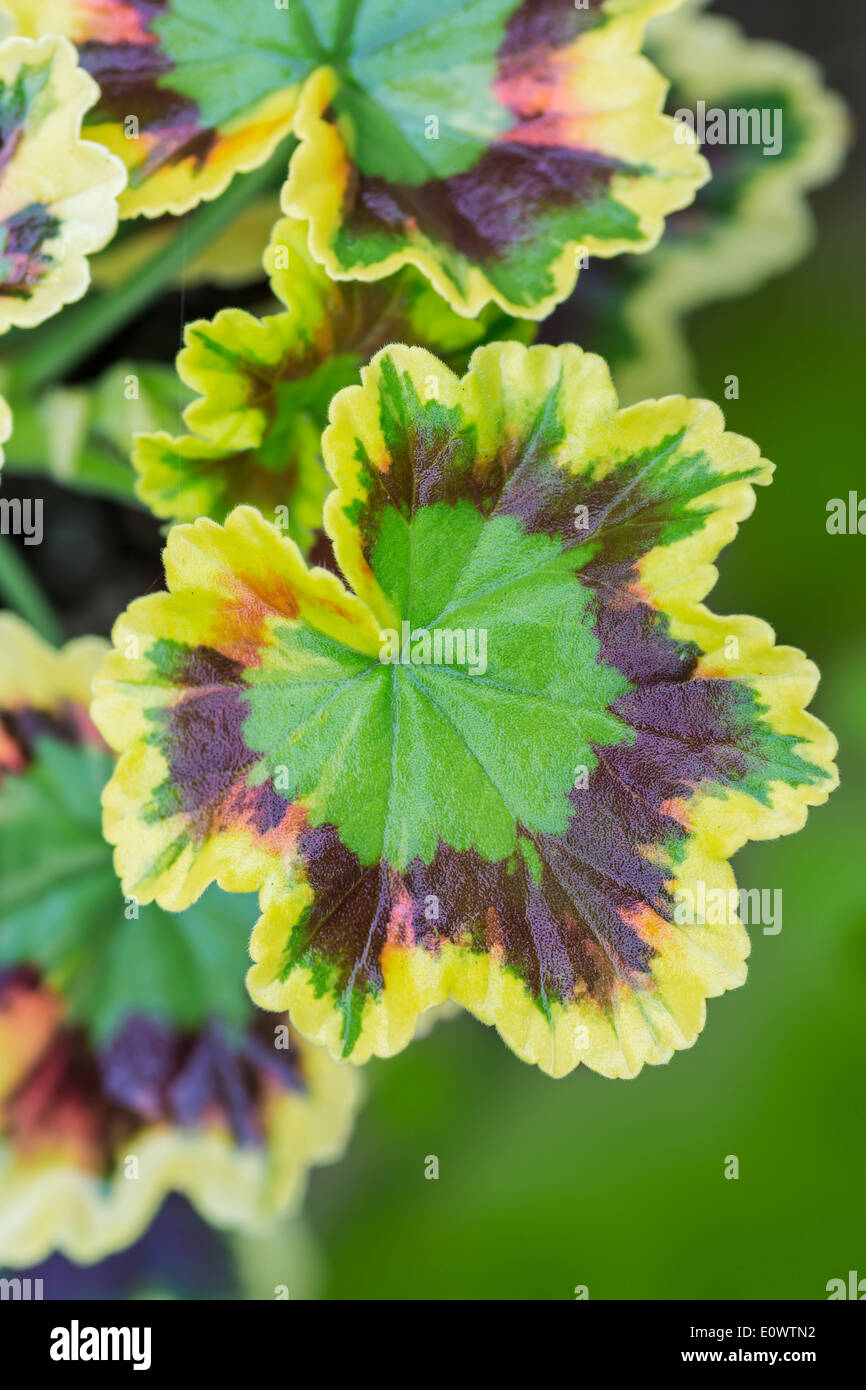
478	716
62	908
402	68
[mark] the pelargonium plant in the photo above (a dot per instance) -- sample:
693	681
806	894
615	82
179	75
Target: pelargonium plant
491	765
125	1074
58	192
431	711
264	386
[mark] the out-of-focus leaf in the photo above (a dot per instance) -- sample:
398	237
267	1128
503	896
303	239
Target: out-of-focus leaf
58	193
233	258
750	222
82	436
125	1034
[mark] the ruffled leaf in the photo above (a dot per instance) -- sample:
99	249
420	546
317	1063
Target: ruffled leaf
750	222
190	93
264	387
58	193
93	1139
483	142
124	1030
489	145
498	769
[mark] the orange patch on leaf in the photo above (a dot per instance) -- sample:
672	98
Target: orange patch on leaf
242	626
678	810
400	931
649	925
29	1016
110	22
707	671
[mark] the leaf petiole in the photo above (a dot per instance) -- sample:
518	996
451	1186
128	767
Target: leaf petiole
21	592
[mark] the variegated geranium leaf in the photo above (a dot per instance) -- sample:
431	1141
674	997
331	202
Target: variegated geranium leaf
483	141
493	145
192	91
508	768
264	386
125	1033
93	1139
58	193
773	132
61	906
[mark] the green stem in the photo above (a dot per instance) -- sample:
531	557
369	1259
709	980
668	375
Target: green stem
19	589
81	330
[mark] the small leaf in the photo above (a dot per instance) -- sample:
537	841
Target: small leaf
58	193
502	768
264	387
